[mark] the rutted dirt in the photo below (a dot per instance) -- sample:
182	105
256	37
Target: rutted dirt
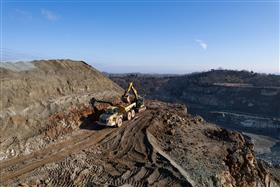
39	105
244	101
163	146
21	165
49	137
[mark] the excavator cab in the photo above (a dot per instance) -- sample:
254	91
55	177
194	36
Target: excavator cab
140	102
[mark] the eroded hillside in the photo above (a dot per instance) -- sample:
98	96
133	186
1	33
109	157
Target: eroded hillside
49	137
33	93
163	146
239	100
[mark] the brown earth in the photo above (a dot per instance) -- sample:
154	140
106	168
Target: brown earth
50	138
163	146
44	90
244	101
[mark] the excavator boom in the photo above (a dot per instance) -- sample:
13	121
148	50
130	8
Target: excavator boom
94	101
137	99
131	87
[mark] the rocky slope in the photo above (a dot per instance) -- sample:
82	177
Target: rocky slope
50	79
49	137
220	90
32	92
237	100
163	146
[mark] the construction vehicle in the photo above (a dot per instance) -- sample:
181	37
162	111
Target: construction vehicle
137	98
116	113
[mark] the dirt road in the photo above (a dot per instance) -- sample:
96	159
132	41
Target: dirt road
163	146
127	145
21	165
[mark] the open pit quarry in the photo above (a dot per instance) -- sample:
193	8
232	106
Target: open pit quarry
49	137
242	101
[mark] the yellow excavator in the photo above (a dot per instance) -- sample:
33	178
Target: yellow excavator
126	97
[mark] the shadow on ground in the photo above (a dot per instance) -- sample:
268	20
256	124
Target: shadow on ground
90	123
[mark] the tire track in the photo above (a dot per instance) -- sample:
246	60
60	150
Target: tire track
50	149
45	158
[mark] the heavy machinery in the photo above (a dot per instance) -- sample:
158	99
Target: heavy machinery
116	113
137	98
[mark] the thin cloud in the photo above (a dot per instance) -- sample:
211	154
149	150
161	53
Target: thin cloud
22	14
202	44
49	15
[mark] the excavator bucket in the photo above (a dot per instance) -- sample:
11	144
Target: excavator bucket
126	98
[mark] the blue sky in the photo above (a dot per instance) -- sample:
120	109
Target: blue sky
147	36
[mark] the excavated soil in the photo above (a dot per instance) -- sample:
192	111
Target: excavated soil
38	96
243	101
162	146
49	137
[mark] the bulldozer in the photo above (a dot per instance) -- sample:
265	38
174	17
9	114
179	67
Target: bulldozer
116	113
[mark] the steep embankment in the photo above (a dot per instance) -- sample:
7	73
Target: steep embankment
49	137
163	146
235	91
50	79
239	100
34	93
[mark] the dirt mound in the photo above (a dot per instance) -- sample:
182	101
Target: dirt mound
49	137
34	93
51	79
163	146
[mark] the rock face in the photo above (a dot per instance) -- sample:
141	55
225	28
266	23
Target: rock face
244	169
236	100
163	146
49	137
32	92
50	79
234	91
